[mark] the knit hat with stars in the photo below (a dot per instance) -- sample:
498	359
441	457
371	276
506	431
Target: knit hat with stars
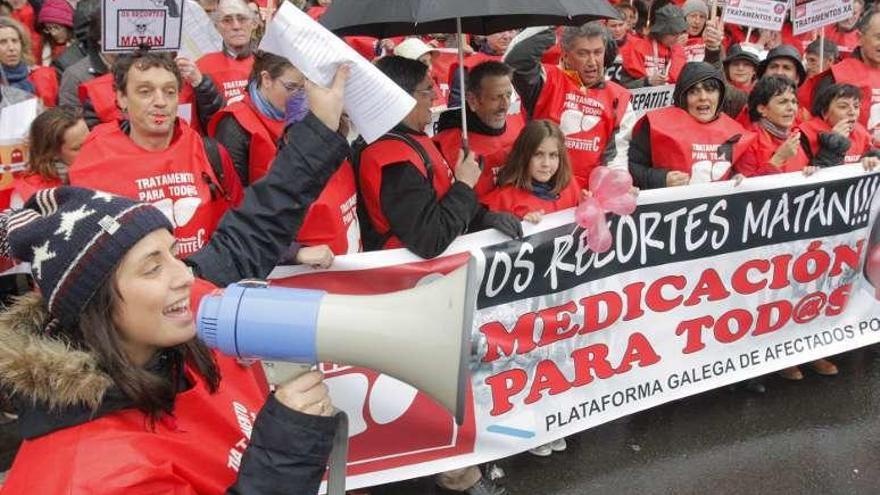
74	238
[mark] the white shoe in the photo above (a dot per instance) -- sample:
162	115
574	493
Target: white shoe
558	445
542	450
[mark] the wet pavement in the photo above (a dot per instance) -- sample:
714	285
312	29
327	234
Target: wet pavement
816	436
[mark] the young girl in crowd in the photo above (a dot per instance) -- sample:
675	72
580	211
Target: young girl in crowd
537	178
55	139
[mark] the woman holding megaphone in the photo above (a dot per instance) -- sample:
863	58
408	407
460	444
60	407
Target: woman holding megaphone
114	392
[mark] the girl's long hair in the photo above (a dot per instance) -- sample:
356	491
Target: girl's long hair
47	137
516	171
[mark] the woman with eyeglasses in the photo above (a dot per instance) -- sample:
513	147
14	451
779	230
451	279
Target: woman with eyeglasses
56	24
250	130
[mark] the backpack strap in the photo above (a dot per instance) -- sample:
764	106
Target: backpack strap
212	150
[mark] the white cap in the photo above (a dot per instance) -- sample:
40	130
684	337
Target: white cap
412	48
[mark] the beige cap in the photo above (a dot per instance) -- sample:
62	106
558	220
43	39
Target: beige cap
412	48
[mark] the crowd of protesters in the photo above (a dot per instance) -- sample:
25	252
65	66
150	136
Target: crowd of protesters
246	165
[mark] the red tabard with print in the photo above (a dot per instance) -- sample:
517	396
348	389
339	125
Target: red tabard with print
679	142
332	218
492	150
101	93
229	74
639	60
175	180
695	49
587	116
264	133
854	71
756	159
518	201
860	140
846	41
198	450
378	155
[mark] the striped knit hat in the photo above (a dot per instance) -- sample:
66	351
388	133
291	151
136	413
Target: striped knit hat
74	238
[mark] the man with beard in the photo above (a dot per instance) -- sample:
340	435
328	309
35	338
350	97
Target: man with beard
491	131
596	116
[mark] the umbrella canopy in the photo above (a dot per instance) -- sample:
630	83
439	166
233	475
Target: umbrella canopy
388	18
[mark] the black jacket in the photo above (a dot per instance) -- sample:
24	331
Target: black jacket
237	142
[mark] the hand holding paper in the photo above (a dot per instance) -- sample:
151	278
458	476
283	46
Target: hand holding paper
373	101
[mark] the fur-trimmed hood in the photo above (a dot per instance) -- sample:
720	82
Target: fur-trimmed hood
42	369
52	385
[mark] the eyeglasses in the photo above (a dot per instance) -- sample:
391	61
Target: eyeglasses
430	92
229	20
52	28
290	86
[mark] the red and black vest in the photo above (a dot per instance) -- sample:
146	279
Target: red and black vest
492	150
756	159
520	202
587	116
332	218
177	180
230	74
264	133
375	157
639	60
704	151
860	139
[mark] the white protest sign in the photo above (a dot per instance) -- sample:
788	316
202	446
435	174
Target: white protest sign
130	24
761	14
199	36
372	100
651	98
809	15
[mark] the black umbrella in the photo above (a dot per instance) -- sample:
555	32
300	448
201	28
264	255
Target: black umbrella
388	18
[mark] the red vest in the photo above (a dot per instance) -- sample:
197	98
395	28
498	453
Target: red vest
264	133
520	202
45	81
679	142
493	150
587	117
102	94
228	73
384	152
364	45
26	185
860	140
175	180
846	41
316	12
695	49
332	218
197	450
854	71
756	159
639	60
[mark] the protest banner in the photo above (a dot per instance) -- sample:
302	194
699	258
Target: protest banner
130	24
651	98
761	14
809	15
701	288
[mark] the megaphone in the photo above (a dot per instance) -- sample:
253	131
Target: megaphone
420	336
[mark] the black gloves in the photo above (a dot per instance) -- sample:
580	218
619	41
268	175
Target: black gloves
832	149
507	223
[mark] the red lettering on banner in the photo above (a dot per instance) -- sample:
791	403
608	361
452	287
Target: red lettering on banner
709	285
500	341
740	280
655	299
557	323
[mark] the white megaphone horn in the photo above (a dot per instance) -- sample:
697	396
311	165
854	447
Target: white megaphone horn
420	336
